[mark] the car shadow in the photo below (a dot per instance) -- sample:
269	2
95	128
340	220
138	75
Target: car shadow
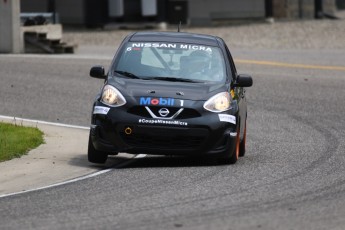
112	162
151	161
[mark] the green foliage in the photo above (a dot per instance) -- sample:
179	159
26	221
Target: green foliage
17	140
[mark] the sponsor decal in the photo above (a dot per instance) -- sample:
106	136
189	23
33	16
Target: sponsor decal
155	45
227	118
171	46
101	110
156	101
162	122
195	47
232	93
233	134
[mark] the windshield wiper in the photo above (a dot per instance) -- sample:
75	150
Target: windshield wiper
127	74
175	79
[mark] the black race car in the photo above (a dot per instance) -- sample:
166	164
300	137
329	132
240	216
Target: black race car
170	93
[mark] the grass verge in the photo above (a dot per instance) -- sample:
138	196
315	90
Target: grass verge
17	140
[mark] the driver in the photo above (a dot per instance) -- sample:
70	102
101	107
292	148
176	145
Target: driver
199	62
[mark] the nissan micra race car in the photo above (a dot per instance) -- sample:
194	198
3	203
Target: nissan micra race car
170	93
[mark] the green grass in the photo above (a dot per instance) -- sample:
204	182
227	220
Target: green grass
17	140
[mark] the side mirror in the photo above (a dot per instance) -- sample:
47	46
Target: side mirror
244	80
97	72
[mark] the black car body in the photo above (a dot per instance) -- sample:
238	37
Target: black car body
170	93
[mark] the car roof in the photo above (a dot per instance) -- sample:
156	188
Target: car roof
181	37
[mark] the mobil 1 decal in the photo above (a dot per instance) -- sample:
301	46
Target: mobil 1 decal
160	101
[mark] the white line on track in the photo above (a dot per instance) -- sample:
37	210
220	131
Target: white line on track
72	180
75	179
42	122
58	184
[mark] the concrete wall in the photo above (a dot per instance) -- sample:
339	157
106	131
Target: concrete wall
279	8
200	12
293	9
203	12
300	9
11	40
34	5
69	12
340	4
329	6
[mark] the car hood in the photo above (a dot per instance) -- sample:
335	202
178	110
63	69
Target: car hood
156	88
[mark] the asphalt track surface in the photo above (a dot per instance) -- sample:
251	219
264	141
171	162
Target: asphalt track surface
292	177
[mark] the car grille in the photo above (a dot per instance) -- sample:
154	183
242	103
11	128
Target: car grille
185	114
169	139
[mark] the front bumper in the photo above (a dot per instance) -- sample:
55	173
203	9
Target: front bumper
119	131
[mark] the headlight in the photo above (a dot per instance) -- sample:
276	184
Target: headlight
112	96
218	103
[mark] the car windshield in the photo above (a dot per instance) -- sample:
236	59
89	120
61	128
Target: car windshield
171	62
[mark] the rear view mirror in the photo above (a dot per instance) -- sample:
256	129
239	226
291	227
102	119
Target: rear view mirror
244	80
97	72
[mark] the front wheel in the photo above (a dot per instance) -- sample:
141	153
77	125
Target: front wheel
243	142
95	156
231	158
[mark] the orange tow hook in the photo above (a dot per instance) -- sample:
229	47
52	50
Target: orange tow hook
128	130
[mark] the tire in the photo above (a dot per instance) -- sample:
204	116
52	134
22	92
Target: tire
95	156
232	157
243	142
